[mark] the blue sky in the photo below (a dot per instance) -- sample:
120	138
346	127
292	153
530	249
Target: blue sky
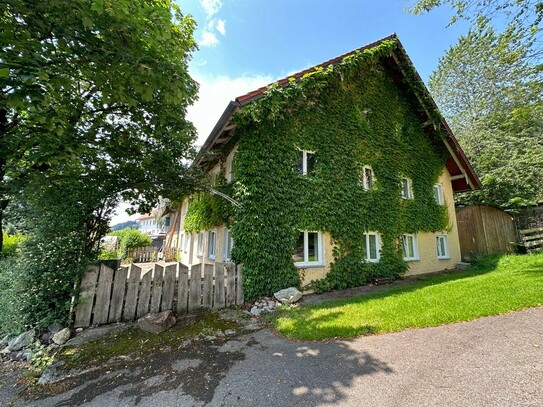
245	44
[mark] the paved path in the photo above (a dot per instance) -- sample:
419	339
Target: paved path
496	361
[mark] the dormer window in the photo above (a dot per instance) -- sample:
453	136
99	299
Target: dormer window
306	162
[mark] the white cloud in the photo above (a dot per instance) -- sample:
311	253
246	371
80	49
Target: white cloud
214	95
208	39
221	26
211	7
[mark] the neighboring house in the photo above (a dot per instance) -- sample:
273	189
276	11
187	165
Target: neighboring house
154	226
346	169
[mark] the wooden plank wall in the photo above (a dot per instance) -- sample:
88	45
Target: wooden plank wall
532	239
485	230
109	296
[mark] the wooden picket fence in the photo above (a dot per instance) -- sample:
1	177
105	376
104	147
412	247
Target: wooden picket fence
151	254
109	296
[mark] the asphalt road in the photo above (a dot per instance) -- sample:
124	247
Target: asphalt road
495	361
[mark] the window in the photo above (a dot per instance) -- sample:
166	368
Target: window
200	243
230	168
438	194
306	162
308	250
367	177
410	247
407	188
373	246
228	244
211	242
187	242
182	241
442	247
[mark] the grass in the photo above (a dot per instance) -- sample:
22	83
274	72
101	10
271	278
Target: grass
494	285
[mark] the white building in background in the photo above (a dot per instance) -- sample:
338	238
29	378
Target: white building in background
149	225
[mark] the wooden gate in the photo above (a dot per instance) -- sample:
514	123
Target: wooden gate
108	296
485	230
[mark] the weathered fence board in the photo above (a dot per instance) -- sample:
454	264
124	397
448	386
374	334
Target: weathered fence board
532	239
103	295
145	294
485	230
117	295
208	286
169	287
83	310
230	284
183	290
133	285
108	295
219	299
195	293
158	277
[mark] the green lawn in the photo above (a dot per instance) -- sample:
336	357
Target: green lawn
494	285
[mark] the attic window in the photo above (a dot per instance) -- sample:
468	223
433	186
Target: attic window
367	177
306	162
407	188
438	194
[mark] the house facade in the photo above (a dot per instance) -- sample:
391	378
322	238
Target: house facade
340	173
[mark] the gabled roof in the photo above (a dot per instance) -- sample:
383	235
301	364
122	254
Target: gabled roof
463	176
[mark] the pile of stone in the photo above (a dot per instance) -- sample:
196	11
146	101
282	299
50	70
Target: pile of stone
28	344
285	297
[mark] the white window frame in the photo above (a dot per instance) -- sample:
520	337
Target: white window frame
364	181
186	242
439	198
227	245
200	243
415	247
230	168
377	246
320	249
409	188
445	238
304	160
211	244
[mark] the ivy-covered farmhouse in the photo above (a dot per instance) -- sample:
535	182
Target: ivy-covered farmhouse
342	172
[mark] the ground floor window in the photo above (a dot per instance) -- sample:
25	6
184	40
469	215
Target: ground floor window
373	246
308	250
442	246
410	247
200	243
228	244
211	243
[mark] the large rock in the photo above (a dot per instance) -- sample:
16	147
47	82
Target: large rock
62	336
157	323
22	341
288	295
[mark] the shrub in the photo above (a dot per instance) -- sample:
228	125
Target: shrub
131	239
10	316
11	244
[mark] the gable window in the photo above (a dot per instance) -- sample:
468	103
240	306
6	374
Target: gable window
373	246
211	243
442	246
200	243
230	168
367	177
410	247
228	244
308	250
438	194
407	188
306	162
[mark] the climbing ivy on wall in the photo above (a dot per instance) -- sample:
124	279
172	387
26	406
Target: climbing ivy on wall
351	114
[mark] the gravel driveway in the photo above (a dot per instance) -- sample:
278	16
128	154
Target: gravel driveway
495	361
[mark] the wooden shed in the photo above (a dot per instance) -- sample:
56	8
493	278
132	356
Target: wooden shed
485	230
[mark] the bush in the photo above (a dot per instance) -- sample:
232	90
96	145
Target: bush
11	243
10	316
131	239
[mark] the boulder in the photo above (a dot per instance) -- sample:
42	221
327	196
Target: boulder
157	323
22	341
288	295
62	336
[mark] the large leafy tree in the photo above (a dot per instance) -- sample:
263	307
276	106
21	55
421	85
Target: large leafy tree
97	90
492	97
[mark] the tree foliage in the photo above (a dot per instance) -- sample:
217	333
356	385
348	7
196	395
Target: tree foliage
492	97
